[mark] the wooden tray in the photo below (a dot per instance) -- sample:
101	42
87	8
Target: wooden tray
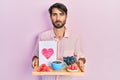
60	72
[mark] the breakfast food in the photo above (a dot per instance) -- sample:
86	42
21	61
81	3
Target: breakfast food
57	62
69	60
72	68
43	68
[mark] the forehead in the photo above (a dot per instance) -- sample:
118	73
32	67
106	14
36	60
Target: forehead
56	10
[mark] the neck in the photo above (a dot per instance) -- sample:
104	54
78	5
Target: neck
59	33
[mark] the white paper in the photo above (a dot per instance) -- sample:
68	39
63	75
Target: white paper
47	52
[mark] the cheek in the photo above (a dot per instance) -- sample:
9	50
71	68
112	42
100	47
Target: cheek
63	19
53	19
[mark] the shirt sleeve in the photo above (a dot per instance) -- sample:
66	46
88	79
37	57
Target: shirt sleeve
78	49
35	51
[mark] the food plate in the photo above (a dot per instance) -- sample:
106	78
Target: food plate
59	72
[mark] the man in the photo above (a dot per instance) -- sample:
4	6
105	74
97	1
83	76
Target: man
68	44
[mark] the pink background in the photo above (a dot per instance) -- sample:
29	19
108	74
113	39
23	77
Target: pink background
97	22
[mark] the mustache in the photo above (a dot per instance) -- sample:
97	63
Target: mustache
57	21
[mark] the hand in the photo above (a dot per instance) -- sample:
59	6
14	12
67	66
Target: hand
81	65
35	62
81	62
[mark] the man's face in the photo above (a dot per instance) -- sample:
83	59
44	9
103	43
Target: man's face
58	18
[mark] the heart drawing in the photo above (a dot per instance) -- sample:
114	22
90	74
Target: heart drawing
47	53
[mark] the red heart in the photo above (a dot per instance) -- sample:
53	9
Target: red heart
47	52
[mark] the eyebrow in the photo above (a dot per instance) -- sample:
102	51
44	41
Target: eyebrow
59	13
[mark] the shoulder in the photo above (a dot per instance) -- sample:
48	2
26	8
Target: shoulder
45	35
74	35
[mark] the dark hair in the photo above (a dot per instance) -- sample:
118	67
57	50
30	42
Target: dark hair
59	6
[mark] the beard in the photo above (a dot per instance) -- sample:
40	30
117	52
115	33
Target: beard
58	25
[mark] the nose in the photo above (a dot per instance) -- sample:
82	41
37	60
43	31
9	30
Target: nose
58	17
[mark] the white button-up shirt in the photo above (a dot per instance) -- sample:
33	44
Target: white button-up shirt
67	46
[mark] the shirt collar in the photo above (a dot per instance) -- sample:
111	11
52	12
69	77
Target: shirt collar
66	35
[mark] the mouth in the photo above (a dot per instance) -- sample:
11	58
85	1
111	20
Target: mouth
58	22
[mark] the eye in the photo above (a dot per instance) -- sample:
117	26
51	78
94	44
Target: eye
54	14
62	14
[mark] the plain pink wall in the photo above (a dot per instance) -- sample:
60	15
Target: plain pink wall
97	22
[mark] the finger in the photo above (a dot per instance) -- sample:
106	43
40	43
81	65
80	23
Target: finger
34	63
81	62
81	66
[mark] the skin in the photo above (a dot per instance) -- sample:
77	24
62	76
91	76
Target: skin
58	19
81	65
35	63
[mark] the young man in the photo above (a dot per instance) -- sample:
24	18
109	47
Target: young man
68	43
